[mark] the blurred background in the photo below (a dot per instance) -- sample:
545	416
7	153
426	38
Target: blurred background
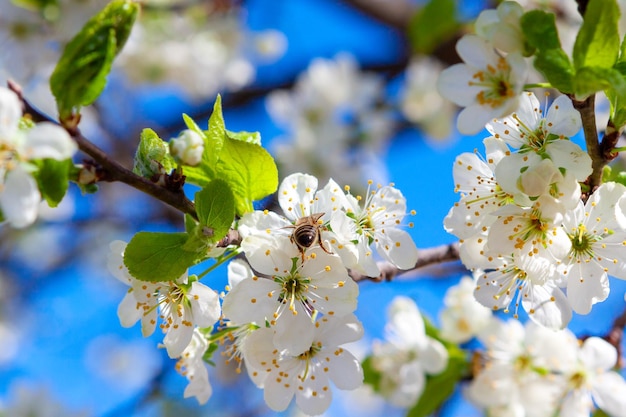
339	89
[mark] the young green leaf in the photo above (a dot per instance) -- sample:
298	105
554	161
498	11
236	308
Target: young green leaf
433	24
215	205
152	156
249	170
598	41
53	179
541	33
80	75
157	257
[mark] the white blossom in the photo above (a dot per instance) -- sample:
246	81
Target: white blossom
295	289
598	244
19	193
184	304
486	84
408	354
463	317
306	374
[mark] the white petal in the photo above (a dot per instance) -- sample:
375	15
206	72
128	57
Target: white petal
19	199
277	395
128	311
453	84
548	306
335	331
562	118
295	195
249	301
568	155
316	396
177	339
598	354
587	284
205	305
47	140
609	392
397	247
10	113
294	332
473	118
345	370
434	358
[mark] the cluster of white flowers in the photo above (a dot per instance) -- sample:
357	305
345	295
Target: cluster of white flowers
533	371
289	308
522	223
183	306
407	355
334	119
21	146
301	289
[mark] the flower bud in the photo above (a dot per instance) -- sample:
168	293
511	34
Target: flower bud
187	147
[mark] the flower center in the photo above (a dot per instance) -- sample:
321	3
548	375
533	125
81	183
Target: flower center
496	82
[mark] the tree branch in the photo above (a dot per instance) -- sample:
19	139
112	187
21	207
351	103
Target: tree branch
586	108
110	170
427	257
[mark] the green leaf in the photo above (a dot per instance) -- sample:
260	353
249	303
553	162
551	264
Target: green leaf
53	179
432	25
80	75
540	30
598	41
215	205
590	80
551	60
250	137
249	170
152	156
157	256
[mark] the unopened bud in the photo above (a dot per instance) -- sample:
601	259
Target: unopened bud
187	147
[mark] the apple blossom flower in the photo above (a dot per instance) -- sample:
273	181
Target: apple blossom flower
598	244
306	374
591	380
487	84
184	304
529	280
296	290
481	194
501	26
523	368
19	193
408	354
540	140
378	222
463	317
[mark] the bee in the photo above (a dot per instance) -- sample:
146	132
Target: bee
307	232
